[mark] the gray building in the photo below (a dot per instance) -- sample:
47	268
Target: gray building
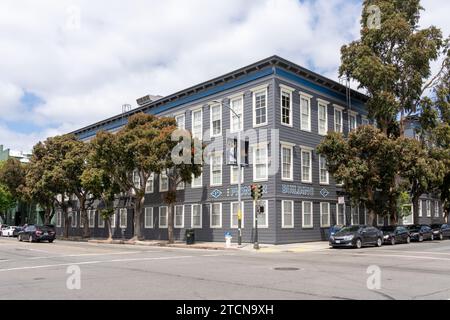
286	111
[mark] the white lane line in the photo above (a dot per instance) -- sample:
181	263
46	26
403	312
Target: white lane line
419	252
395	255
85	255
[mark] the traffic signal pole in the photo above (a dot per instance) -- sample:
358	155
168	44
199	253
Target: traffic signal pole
256	244
239	182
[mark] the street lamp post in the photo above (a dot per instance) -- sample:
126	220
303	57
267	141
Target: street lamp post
239	170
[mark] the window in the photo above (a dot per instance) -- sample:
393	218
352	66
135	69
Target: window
286	162
197	182
287	214
148	217
286	105
307	216
324	214
380	220
113	220
305	112
352	121
163	182
260	162
340	214
436	209
181	121
260	107
420	208
234	175
234	214
197	124
136	179
428	204
163	217
73	215
354	215
58	218
366	215
323	170
323	117
149	184
123	218
216	169
180	185
101	221
263	218
196	216
216	215
179	217
91	217
306	165
364	121
236	104
216	120
338	119
410	218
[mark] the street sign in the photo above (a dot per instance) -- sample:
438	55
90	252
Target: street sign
341	200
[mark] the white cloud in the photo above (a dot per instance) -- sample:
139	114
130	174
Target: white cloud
86	58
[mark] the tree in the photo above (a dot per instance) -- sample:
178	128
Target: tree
12	175
392	61
7	201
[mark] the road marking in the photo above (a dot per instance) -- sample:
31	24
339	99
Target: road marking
87	254
419	252
395	255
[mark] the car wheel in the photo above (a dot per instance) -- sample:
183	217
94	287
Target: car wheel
441	236
50	241
408	240
30	239
393	241
420	238
380	242
19	237
358	243
432	237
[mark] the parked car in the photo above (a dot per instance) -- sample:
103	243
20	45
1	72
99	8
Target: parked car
357	236
334	229
440	231
8	231
16	231
395	234
35	233
420	232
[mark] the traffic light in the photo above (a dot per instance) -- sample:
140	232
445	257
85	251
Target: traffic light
256	191
260	191
253	190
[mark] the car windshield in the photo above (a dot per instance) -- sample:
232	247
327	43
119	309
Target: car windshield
349	229
414	228
388	228
435	226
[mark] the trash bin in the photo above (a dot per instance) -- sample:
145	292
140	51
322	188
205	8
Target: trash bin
190	236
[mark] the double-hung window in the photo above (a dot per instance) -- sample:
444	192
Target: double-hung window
340	214
307	214
197	182
260	106
324	214
287	172
91	218
163	182
100	221
179	216
322	114
197	124
148	218
263	217
364	121
149	184
234	214
236	105
286	105
338	119
136	179
305	111
436	209
306	168
355	215
73	216
234	174
181	121
352	124
196	215
323	170
260	162
428	203
287	214
420	208
163	217
216	169
216	215
123	217
216	120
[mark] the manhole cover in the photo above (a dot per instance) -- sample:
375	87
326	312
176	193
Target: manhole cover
38	278
286	269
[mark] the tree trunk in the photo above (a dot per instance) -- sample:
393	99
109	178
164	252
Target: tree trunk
66	223
170	224
138	206
110	232
415	201
371	217
85	218
47	215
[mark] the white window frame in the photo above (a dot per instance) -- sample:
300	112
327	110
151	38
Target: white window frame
420	208
199	179
265	146
265	203
322	159
356	208
233	118
198	226
163	226
123	211
255	91
322	103
290	147
177	117
353	114
344	214
199	134
211	128
286	90
235	226
91	218
150	184
428	204
341	110
378	220
113	219
211	167
308	98
160	182
305	226
148	210
364	121
306	150
328	224
58	218
436	209
178	226
234	174
100	220
74	219
211	214
287	224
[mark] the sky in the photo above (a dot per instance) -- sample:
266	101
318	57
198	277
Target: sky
66	64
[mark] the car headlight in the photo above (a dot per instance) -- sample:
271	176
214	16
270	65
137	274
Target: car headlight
348	238
386	236
332	238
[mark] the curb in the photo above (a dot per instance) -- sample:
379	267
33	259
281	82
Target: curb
157	244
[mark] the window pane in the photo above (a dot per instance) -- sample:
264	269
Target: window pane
287	162
236	106
260	107
286	107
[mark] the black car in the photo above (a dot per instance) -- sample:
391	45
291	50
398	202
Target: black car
420	232
440	231
35	233
16	231
357	236
395	234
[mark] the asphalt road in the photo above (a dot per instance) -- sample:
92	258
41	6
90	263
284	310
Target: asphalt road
40	271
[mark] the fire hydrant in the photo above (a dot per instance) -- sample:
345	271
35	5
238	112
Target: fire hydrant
228	238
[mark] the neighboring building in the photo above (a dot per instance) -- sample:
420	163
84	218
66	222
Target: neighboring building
4	153
297	107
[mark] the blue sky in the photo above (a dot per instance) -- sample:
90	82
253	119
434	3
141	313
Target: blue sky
66	64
